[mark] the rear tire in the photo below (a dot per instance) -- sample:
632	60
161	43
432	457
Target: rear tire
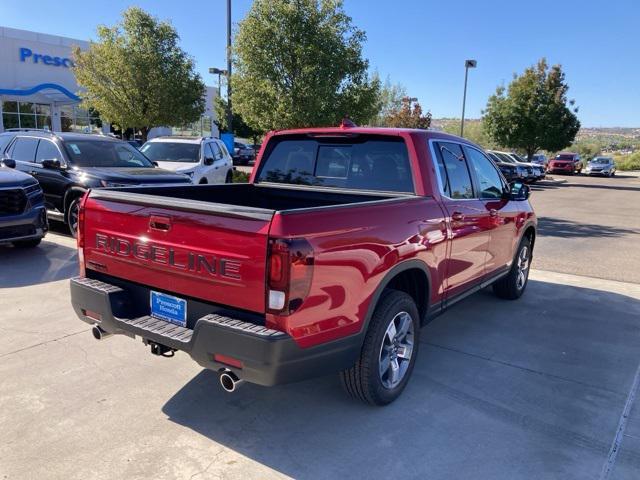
388	352
513	285
203	181
27	243
229	178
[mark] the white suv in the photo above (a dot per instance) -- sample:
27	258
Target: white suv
205	160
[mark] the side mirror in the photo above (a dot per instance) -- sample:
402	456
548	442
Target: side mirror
518	191
9	162
208	161
53	164
155	164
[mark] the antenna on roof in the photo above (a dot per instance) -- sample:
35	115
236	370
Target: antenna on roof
346	122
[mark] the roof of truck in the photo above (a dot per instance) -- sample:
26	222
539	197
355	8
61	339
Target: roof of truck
342	130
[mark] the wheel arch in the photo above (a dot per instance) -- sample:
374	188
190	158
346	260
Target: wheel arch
411	277
72	192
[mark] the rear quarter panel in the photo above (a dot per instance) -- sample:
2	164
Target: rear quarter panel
354	247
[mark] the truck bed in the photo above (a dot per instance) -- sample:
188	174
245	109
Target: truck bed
242	199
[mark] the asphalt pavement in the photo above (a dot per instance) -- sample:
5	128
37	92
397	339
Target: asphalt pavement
540	388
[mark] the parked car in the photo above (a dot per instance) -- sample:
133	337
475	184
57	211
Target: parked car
540	159
344	242
243	153
538	171
524	171
67	164
601	166
204	160
508	169
565	163
23	217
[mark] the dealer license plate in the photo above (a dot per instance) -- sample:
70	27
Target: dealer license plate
169	308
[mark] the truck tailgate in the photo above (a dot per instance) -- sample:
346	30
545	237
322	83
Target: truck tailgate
193	249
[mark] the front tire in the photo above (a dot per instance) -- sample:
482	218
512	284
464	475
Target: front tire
72	216
512	286
388	352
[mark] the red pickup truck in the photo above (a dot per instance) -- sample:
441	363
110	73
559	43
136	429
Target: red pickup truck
345	241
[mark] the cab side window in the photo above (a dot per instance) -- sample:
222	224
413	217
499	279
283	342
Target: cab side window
490	184
454	171
47	151
24	149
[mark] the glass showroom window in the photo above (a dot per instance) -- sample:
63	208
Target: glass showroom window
76	119
26	115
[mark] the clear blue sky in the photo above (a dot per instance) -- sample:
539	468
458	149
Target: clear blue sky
423	44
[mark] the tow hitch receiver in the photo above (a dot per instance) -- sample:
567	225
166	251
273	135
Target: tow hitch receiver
161	350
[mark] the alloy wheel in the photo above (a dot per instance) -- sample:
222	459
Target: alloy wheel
523	267
396	350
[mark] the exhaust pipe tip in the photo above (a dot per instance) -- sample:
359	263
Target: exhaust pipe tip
230	381
99	334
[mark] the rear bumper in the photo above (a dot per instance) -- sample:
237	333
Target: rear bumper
29	225
269	357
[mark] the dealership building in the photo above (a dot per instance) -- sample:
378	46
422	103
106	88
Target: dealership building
38	88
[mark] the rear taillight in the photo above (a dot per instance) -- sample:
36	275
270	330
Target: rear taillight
80	235
290	271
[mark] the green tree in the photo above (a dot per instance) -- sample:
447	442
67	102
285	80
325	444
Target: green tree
137	75
389	100
409	115
473	131
298	63
534	113
240	127
587	150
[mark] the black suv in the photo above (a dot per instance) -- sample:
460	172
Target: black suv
68	164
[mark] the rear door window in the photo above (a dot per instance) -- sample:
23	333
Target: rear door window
454	171
363	163
24	149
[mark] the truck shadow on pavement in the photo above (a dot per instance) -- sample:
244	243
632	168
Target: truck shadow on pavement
48	262
501	389
557	227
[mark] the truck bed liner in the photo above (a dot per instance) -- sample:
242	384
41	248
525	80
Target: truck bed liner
244	200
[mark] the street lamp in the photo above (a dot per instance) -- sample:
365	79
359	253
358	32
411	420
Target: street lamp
467	65
218	71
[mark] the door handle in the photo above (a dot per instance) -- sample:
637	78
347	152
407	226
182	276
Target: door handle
457	216
493	212
157	222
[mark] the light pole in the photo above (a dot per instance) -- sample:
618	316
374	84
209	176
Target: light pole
467	65
229	114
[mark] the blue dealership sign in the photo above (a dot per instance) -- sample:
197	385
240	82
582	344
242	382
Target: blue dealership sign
228	140
26	54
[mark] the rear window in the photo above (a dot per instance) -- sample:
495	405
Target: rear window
172	151
361	163
564	157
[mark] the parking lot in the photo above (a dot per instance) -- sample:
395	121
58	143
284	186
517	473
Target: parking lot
539	388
